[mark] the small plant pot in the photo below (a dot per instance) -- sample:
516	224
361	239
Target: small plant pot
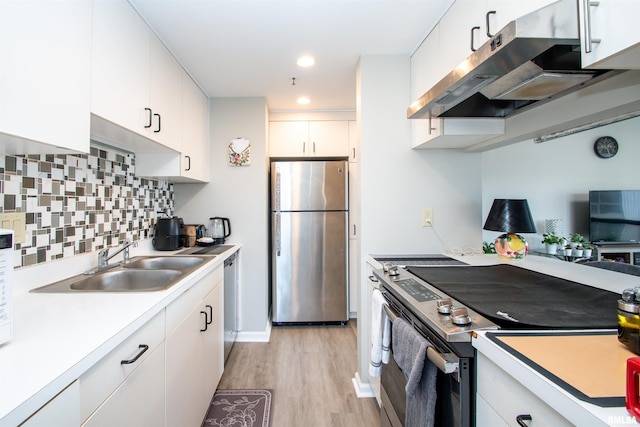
551	248
577	252
587	253
568	251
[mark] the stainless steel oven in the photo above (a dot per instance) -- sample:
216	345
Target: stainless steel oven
454	383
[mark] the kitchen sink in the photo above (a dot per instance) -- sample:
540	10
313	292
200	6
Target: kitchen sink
164	262
141	274
128	280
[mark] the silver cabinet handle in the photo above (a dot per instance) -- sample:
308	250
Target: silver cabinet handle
277	190
373	279
588	40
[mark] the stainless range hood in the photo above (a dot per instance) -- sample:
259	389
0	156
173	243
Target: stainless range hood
530	61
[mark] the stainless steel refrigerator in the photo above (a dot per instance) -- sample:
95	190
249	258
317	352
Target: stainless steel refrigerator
309	208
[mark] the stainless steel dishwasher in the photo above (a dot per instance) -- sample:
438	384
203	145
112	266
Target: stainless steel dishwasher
230	303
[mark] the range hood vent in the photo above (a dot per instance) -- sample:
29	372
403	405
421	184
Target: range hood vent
533	59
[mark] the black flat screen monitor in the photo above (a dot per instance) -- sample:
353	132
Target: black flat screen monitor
614	216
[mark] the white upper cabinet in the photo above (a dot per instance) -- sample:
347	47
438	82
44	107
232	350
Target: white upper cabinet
191	164
195	132
455	33
328	138
136	82
165	95
120	66
45	71
610	34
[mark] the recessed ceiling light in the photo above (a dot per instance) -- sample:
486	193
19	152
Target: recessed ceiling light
306	61
303	100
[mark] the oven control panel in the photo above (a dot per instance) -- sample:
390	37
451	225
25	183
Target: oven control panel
446	316
417	290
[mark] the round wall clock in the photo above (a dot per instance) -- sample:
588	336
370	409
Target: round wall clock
606	147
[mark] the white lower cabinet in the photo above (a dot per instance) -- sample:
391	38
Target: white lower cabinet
127	386
61	411
139	400
501	400
194	350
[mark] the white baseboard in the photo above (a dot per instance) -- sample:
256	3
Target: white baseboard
362	389
255	336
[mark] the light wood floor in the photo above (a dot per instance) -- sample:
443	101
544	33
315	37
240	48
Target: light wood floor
309	369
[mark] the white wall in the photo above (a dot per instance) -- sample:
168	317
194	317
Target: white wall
397	182
239	193
556	176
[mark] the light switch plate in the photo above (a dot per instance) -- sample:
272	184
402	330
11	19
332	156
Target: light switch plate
16	221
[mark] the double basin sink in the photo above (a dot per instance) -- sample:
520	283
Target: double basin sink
141	274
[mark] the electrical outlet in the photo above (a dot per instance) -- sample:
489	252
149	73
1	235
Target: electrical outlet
427	217
15	221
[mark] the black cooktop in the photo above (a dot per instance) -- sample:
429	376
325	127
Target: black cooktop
517	298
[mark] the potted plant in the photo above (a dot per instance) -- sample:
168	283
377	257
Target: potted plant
488	248
577	239
577	250
587	250
551	242
568	251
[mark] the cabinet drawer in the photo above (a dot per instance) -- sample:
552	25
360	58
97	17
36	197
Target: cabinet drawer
105	376
178	310
509	398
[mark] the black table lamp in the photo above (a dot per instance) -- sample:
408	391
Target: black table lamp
510	216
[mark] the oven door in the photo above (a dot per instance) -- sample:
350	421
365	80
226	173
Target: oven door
454	404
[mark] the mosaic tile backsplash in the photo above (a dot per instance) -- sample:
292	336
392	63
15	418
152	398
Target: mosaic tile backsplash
78	203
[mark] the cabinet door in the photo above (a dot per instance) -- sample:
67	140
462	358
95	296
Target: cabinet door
614	27
213	342
455	32
165	95
120	66
329	138
426	67
45	72
185	379
61	411
195	131
140	400
288	139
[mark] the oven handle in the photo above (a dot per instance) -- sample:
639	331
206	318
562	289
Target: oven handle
444	362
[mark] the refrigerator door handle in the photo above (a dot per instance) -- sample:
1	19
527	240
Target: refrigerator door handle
278	241
277	191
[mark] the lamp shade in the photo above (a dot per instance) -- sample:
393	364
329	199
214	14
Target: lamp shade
510	216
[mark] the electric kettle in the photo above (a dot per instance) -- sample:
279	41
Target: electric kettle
220	229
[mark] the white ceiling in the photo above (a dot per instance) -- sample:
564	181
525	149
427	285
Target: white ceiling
247	48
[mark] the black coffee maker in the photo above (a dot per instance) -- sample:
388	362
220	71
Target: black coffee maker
169	234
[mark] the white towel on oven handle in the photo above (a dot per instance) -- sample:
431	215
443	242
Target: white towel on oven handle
380	334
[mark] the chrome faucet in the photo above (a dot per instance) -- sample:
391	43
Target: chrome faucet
104	257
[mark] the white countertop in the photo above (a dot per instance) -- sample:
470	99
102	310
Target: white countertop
57	337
